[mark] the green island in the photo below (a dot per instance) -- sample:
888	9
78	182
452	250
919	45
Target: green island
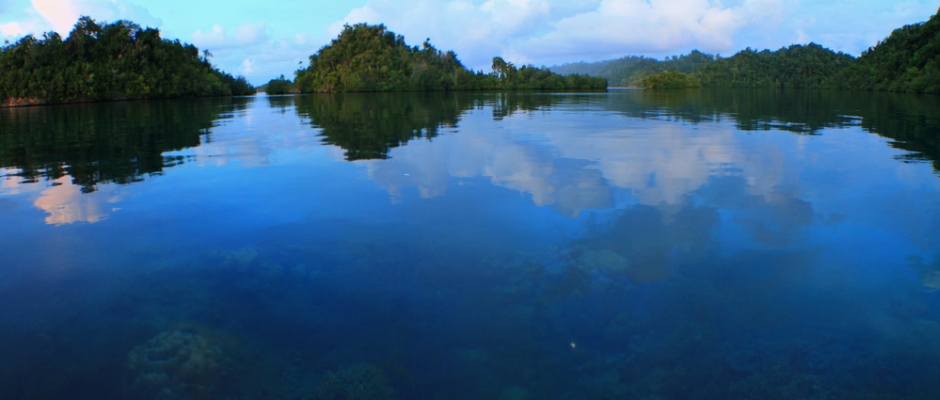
121	60
100	62
370	58
906	61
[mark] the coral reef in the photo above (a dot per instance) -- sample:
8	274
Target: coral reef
175	365
357	382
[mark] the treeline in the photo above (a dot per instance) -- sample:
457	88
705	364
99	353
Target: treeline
120	60
370	58
907	61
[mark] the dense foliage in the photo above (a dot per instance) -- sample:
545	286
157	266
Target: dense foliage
670	80
280	85
120	60
369	58
796	66
629	71
907	61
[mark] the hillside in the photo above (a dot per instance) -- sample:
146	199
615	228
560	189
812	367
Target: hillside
907	61
796	66
630	70
120	60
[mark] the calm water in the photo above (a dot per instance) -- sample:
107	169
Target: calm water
630	244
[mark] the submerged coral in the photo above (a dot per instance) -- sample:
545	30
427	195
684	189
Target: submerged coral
929	273
357	382
175	365
603	260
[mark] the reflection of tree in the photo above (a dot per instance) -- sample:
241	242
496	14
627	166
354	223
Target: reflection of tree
505	104
280	103
105	142
912	121
368	125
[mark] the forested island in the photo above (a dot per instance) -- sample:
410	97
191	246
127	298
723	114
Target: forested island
116	61
370	58
906	61
122	60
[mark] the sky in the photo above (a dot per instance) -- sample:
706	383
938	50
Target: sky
262	40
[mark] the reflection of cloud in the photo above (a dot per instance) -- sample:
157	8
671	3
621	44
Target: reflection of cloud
66	204
568	185
775	218
658	165
240	140
576	167
11	184
648	238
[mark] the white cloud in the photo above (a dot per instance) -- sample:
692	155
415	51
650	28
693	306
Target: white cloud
548	31
620	27
250	51
247	67
245	34
476	31
18	29
61	15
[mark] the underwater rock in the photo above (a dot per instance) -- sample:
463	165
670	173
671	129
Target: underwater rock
238	259
602	261
175	365
357	382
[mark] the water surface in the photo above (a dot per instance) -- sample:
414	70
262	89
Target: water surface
629	244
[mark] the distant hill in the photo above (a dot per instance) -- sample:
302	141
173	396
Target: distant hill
907	61
630	70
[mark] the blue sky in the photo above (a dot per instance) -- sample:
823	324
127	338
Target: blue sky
262	40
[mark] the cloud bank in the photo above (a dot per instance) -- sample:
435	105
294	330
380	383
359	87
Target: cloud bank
550	31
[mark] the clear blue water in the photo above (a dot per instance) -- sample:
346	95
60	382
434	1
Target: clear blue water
629	244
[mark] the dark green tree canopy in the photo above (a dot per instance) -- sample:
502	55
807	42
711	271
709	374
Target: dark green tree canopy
370	58
279	85
113	61
796	66
907	61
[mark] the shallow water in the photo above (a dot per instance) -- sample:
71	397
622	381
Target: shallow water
629	244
